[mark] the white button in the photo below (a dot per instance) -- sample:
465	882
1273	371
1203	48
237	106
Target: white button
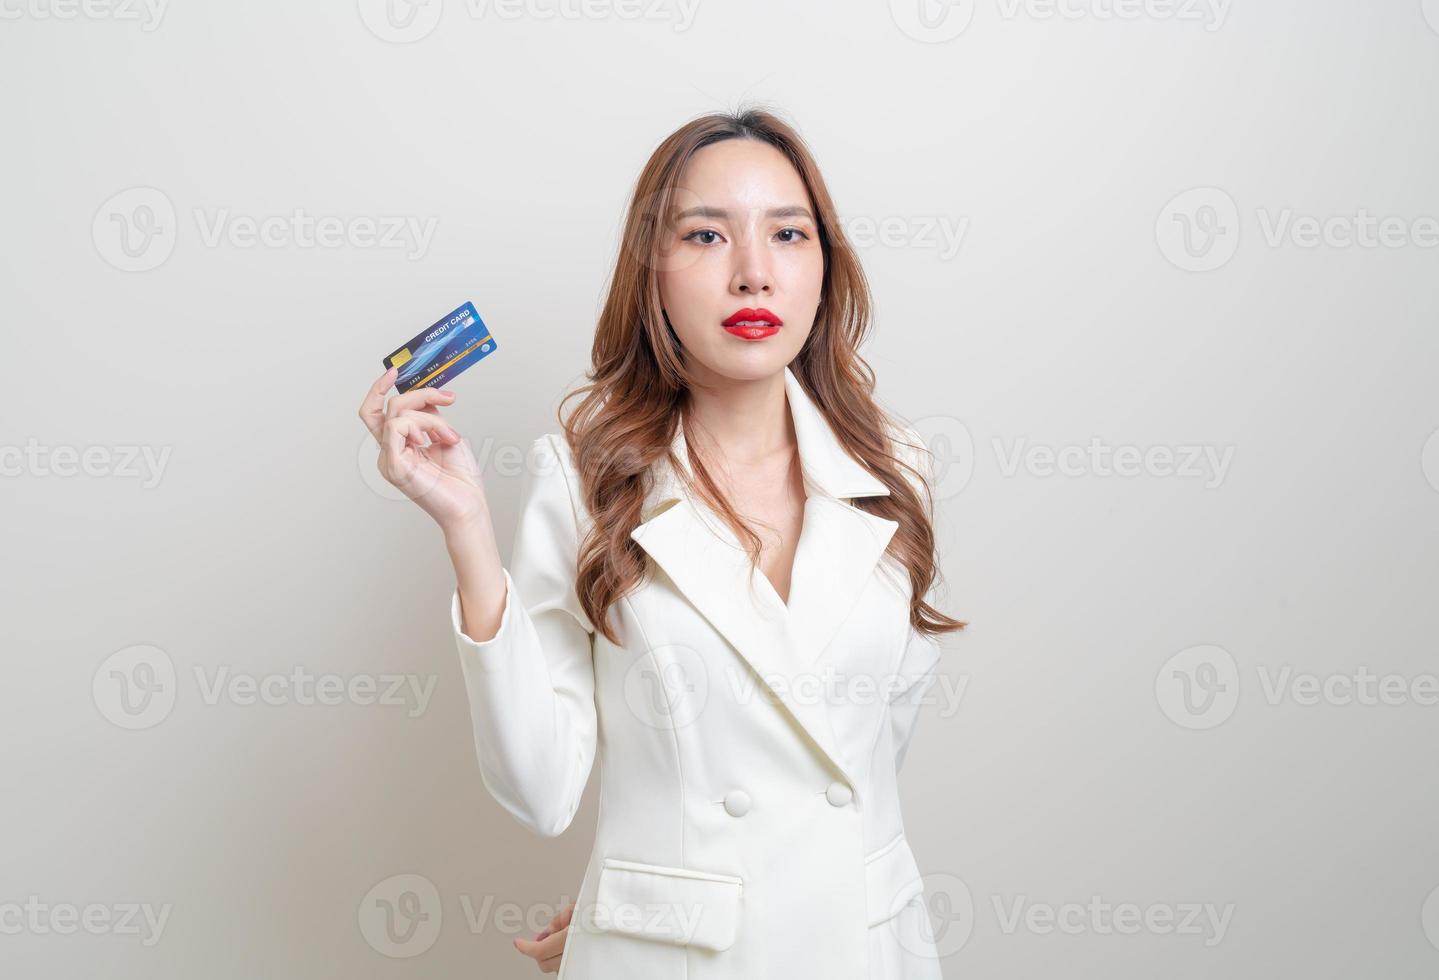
736	802
838	794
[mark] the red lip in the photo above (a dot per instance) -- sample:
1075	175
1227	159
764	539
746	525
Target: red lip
761	314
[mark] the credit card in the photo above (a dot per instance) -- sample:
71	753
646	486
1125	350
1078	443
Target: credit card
441	352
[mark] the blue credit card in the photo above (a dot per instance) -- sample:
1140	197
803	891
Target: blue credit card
442	351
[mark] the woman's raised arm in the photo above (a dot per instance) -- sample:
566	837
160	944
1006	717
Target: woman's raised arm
530	680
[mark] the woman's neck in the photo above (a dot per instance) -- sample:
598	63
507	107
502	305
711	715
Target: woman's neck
743	422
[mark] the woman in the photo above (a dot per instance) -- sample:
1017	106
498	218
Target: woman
749	727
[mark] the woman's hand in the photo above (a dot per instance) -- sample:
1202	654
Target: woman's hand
548	945
421	455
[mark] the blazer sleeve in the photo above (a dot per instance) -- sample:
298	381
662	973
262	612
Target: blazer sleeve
919	664
531	686
918	668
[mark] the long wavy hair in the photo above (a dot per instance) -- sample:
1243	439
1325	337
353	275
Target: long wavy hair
639	387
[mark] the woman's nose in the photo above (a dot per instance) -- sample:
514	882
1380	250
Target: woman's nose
753	272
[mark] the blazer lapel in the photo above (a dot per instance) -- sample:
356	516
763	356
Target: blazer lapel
838	549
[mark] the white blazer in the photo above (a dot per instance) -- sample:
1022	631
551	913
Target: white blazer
749	822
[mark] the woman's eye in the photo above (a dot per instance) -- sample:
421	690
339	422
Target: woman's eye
787	235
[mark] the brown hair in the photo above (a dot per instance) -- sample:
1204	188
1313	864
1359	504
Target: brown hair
638	385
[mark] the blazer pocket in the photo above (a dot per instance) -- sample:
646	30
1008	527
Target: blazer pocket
682	906
891	879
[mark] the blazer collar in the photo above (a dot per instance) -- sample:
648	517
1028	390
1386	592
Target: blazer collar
828	468
835	559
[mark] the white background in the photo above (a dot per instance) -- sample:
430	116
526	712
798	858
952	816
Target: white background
1073	313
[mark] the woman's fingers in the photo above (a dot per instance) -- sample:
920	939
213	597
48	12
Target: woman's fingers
415	427
393	436
419	398
540	950
561	919
433	426
548	946
401	468
372	409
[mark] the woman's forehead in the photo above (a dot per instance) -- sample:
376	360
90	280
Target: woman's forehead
740	175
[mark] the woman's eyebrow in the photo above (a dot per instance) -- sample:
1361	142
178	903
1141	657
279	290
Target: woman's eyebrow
792	211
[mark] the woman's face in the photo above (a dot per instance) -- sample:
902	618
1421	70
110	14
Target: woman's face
743	237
